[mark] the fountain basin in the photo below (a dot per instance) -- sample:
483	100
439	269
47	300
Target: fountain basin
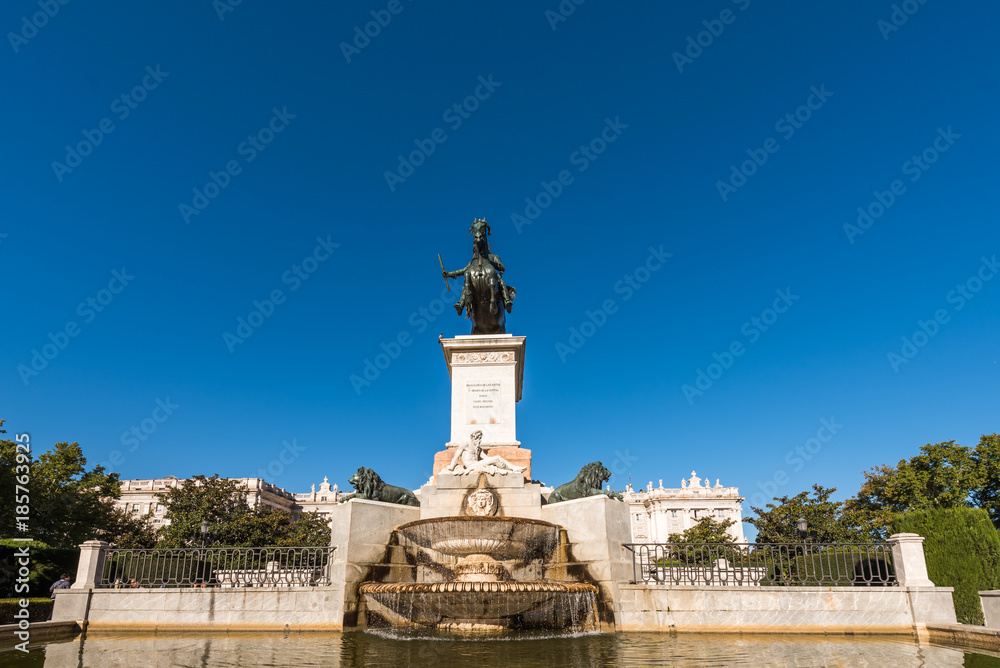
478	601
493	578
499	537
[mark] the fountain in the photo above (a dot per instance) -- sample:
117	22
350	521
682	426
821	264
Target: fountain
477	548
481	574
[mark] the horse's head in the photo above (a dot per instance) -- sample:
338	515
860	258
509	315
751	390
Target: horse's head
480	232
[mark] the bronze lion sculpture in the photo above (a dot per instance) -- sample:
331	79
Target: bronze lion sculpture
587	483
368	485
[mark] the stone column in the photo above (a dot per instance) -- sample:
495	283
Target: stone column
361	533
91	567
990	601
908	560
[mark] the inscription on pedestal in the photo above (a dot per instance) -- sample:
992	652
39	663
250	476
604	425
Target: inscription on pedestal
482	403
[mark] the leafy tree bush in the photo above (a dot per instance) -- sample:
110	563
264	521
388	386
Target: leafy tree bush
69	503
963	551
829	521
38	609
987	495
222	503
706	530
47	564
943	475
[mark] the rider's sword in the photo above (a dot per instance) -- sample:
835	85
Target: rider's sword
447	285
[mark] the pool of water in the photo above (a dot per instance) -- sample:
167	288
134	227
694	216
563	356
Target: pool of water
370	649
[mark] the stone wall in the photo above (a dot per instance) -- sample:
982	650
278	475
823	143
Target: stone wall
783	609
361	533
597	528
640	608
223	609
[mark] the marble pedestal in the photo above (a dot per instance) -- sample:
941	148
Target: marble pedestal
514	455
513	496
487	372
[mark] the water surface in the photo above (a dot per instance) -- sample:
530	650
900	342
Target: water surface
373	649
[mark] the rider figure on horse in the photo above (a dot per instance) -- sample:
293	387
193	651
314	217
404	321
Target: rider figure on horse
480	254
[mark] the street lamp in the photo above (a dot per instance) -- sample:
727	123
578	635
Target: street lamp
204	532
805	534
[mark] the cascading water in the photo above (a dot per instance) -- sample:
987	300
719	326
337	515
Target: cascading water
479	574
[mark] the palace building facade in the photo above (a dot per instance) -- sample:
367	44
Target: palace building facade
655	513
140	497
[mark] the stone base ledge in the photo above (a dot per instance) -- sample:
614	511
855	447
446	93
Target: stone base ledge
822	610
965	634
778	588
39	631
152	627
753	629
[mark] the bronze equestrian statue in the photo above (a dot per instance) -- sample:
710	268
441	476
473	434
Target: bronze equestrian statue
485	297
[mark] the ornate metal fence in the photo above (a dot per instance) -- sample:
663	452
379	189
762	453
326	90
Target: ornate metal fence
759	564
217	567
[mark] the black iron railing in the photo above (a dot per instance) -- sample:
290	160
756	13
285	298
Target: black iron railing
759	564
216	567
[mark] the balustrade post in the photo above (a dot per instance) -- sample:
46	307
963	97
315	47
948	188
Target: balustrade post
90	569
908	560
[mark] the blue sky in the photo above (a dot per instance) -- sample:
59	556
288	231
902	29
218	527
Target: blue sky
740	138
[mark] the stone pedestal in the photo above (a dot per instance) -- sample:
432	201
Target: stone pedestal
908	560
514	455
91	565
487	372
449	495
990	601
361	532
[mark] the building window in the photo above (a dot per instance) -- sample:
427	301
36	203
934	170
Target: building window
673	513
322	498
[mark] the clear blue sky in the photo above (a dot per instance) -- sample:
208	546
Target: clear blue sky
880	94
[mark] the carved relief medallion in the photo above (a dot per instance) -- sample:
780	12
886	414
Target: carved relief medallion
482	503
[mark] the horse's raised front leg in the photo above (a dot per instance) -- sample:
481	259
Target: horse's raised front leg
493	295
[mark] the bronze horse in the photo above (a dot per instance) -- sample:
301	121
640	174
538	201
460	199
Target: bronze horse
485	297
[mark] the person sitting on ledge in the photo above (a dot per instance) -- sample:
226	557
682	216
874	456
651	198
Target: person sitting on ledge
61	583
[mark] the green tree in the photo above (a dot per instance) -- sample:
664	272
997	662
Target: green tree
223	504
69	503
269	527
131	530
219	501
943	475
831	521
706	530
987	495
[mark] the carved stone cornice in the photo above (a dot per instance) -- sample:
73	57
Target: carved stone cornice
490	357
